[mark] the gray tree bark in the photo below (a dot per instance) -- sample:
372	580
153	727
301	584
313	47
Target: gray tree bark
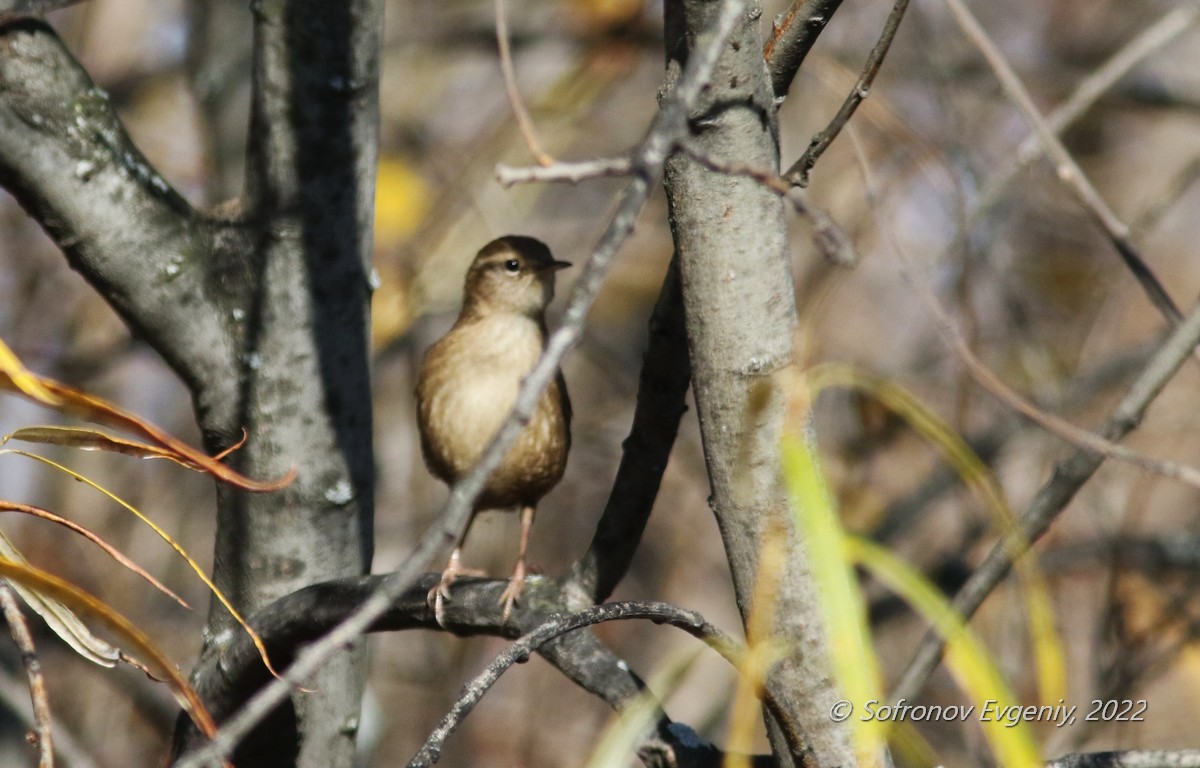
730	235
262	314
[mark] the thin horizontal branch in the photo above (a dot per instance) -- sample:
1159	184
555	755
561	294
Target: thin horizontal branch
66	158
225	682
571	172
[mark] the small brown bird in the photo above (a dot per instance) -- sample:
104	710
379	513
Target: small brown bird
469	382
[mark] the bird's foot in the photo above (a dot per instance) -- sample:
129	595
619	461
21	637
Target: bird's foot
440	595
516	585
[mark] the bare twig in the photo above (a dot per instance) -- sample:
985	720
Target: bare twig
1067	169
518	652
1150	40
524	121
564	171
33	668
1060	428
798	173
669	126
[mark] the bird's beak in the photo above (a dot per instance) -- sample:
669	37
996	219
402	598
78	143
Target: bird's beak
554	266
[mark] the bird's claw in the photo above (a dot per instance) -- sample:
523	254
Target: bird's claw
511	593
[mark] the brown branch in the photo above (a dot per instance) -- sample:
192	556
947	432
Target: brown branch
33	669
798	172
524	122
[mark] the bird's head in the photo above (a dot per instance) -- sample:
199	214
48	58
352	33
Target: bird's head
512	274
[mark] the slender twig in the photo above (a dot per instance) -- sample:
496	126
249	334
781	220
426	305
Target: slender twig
798	173
33	669
668	127
690	622
1068	477
1067	169
1147	42
1175	189
524	121
565	171
1183	758
1060	428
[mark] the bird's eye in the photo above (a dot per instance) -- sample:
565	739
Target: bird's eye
512	266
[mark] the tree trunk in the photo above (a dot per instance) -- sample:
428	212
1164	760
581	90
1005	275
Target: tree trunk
730	234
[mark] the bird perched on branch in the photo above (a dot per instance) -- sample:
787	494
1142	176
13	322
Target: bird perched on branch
468	385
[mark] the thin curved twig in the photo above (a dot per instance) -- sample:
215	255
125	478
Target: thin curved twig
689	621
524	121
668	127
798	172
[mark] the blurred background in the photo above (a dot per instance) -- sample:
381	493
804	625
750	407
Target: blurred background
1035	287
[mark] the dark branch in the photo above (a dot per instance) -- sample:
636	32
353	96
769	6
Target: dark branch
793	36
666	372
225	682
66	158
1183	758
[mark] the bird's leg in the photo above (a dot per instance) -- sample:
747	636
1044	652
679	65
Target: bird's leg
440	595
516	583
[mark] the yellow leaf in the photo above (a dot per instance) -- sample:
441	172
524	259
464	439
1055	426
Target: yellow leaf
402	198
966	657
